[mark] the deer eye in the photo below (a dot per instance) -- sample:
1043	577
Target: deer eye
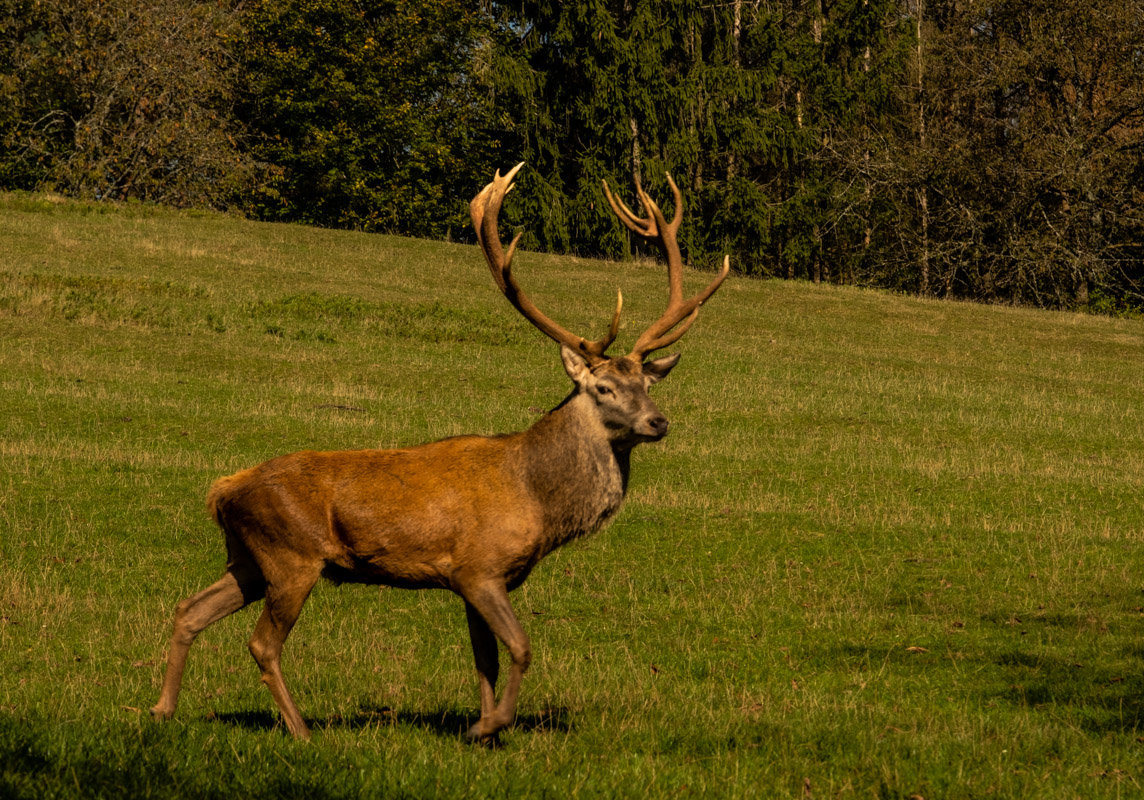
603	390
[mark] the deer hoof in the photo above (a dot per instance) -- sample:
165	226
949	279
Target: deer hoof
163	714
476	736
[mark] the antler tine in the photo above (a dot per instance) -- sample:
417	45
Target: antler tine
637	225
485	224
661	335
678	196
667	239
484	210
656	229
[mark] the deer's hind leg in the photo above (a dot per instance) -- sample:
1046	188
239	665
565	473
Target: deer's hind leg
284	601
241	585
486	657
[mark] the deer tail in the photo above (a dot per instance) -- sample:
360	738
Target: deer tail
216	497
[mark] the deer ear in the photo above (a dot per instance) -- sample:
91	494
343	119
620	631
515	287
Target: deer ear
657	369
575	365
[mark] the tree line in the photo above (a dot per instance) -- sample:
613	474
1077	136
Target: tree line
984	149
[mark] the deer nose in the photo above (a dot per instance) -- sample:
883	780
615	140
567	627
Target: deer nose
658	425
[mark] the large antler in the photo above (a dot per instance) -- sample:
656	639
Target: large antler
484	209
657	230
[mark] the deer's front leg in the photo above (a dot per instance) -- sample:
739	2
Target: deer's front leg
491	605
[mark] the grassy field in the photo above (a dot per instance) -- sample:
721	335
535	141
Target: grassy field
892	547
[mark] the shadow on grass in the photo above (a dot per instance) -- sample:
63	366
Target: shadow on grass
108	761
1099	698
99	761
447	723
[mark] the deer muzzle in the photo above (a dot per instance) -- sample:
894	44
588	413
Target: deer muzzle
654	427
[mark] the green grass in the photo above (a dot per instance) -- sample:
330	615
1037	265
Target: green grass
891	548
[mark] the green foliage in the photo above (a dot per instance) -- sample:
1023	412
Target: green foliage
34	93
118	100
1113	306
1026	146
739	102
368	110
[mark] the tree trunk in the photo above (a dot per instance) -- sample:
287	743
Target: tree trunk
736	35
636	161
923	190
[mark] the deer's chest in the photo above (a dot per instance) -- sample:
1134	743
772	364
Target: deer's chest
583	505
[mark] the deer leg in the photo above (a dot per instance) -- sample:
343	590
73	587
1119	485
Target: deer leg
492	604
486	656
283	605
236	589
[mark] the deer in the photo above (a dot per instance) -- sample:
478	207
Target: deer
470	514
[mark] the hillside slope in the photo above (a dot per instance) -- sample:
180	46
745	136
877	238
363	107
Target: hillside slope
890	546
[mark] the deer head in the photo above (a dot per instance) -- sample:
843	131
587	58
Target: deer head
617	386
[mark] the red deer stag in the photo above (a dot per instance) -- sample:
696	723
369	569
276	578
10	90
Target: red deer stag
473	514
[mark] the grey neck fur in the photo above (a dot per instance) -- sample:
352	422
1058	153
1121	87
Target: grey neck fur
575	470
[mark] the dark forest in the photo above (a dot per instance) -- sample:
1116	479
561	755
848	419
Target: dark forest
991	151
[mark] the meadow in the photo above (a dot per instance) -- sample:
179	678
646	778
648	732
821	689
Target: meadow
891	547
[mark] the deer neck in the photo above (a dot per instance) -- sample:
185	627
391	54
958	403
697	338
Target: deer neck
574	470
